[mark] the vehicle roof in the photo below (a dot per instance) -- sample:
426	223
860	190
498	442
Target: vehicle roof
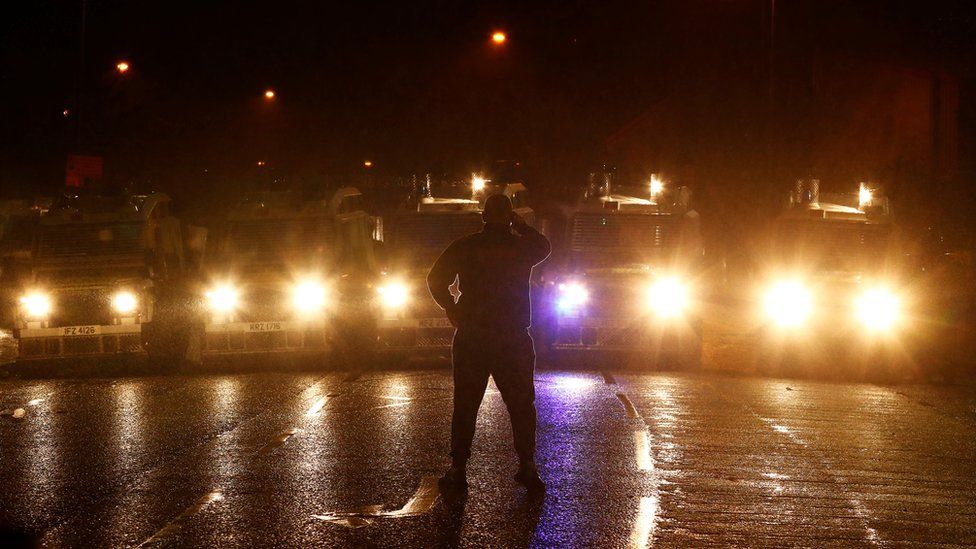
103	209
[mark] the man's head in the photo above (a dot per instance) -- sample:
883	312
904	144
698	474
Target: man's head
498	209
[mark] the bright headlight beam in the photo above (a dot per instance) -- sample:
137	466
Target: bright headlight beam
308	297
222	299
877	308
667	297
572	296
789	303
478	183
124	302
393	295
36	305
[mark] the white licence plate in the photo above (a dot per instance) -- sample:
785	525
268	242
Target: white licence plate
80	330
264	326
435	323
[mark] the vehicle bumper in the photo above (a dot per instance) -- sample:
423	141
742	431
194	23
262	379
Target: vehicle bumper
414	335
270	337
596	334
110	340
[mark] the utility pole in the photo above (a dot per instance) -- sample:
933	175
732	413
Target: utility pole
80	78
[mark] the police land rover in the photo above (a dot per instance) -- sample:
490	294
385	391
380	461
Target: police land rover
410	322
833	283
288	276
99	263
626	282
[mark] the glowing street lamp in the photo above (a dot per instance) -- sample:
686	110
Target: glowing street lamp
269	94
368	164
498	37
122	67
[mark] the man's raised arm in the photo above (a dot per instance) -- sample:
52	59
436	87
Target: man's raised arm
535	243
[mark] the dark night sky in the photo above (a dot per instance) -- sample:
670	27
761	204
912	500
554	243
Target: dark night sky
412	86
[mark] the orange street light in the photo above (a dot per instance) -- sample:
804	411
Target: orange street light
122	67
499	37
368	163
261	162
269	94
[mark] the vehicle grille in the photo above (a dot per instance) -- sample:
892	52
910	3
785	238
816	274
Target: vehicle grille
81	308
834	242
84	240
265	304
421	237
625	300
614	232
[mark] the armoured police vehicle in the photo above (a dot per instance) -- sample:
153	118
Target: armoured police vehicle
98	266
833	279
626	282
410	322
288	276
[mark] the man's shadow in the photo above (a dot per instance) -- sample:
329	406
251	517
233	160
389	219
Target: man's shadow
525	517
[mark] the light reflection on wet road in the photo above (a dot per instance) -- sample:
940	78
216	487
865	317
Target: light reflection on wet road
631	459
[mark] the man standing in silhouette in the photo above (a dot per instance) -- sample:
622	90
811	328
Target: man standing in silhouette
492	318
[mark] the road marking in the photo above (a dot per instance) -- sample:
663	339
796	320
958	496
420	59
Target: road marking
857	506
394	405
316	407
177	523
629	406
420	503
277	442
645	521
643	532
642	446
16	413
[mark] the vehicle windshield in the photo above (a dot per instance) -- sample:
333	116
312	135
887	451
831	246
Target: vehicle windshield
832	246
89	241
278	240
622	240
420	238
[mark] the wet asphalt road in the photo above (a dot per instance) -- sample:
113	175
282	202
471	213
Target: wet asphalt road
631	459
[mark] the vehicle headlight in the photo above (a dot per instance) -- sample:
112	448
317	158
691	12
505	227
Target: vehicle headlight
308	297
667	297
572	296
393	295
877	308
222	299
124	302
789	303
36	305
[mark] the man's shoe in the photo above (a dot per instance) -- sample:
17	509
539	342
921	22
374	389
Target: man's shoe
528	476
455	478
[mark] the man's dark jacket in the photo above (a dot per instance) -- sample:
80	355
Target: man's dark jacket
493	269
